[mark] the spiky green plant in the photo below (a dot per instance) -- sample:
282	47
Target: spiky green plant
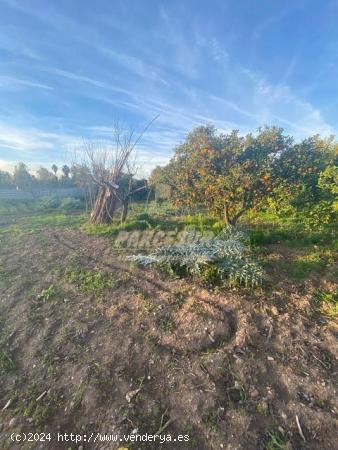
227	253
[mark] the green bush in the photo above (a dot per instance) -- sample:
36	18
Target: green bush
71	203
326	302
144	216
135	225
224	257
49	203
322	213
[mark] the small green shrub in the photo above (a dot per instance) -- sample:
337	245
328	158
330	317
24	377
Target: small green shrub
224	257
144	216
202	223
322	213
303	266
49	203
70	204
135	225
327	302
40	411
89	281
47	294
166	324
276	441
211	276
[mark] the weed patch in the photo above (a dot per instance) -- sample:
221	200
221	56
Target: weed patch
276	441
38	409
326	302
47	294
90	281
6	362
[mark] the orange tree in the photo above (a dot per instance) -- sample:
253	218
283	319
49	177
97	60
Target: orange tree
227	173
302	165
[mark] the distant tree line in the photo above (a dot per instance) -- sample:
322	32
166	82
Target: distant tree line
65	176
22	178
77	175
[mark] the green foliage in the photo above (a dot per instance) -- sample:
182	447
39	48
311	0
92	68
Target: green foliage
6	362
327	302
276	441
135	225
322	213
21	176
5	178
229	175
62	204
90	281
40	411
267	228
201	223
302	164
148	304
47	294
45	176
328	179
166	324
303	266
137	222
226	253
45	203
71	204
112	230
211	276
226	173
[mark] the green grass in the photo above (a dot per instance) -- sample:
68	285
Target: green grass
47	294
276	441
112	230
267	228
166	324
36	223
90	281
147	302
10	236
303	266
39	411
326	302
6	362
134	222
178	299
211	420
40	205
40	222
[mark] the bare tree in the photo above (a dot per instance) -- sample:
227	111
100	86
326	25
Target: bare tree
108	163
130	188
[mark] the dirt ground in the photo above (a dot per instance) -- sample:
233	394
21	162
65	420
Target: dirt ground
130	350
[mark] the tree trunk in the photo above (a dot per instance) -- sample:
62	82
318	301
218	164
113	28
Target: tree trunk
228	220
104	207
231	221
124	209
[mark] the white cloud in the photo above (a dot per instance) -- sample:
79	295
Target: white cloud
136	66
27	141
7	165
13	82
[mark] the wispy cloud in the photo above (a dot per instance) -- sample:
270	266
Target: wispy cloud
10	82
121	59
136	66
279	104
27	141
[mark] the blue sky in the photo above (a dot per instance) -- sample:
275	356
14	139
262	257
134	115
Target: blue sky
68	69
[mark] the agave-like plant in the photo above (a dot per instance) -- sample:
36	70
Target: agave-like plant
227	253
